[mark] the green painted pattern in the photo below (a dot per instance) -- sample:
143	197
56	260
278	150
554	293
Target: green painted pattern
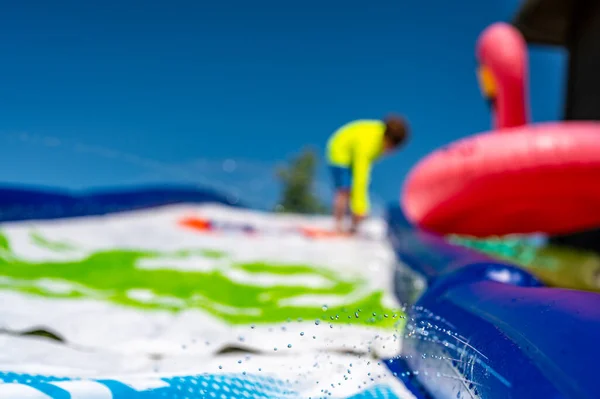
116	275
41	241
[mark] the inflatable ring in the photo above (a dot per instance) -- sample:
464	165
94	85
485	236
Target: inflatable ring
518	178
536	178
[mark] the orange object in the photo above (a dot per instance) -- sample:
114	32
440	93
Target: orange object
196	223
313	232
207	225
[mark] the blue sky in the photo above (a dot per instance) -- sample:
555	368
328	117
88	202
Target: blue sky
124	92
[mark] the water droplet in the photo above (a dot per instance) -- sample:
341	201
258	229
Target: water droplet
239	362
301	334
229	165
220	367
424	355
324	308
275	349
252	326
289	345
259	369
317	322
314	337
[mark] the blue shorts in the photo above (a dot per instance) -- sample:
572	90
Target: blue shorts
342	177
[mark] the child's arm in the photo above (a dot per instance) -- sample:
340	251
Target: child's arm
361	171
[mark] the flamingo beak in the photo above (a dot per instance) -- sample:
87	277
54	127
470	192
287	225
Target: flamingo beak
487	83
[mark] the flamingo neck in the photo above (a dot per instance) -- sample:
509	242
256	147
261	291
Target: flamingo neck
509	108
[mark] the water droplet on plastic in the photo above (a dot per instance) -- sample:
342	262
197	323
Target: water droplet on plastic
317	322
324	308
289	345
301	334
229	165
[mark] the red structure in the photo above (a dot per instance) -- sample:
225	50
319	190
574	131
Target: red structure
518	179
575	26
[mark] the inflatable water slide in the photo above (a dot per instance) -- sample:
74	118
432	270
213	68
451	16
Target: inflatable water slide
177	293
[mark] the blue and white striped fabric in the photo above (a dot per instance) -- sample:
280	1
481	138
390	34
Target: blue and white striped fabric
209	386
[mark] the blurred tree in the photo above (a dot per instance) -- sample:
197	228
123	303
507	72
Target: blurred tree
298	179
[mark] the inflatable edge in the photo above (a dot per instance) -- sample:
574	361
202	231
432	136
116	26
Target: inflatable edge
483	328
33	203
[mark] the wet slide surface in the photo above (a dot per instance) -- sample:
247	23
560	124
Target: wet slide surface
140	302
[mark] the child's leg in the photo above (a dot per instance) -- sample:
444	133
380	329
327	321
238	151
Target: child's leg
340	205
342	184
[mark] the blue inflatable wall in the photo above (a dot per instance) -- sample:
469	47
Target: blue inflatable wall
18	203
487	329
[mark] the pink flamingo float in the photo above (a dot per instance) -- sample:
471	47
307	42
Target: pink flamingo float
518	178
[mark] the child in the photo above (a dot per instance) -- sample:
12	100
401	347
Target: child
351	151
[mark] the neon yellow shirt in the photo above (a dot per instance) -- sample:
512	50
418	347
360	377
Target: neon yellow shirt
357	145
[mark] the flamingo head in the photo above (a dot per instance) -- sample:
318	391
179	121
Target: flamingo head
502	58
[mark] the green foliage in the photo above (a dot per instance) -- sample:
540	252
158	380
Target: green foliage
298	180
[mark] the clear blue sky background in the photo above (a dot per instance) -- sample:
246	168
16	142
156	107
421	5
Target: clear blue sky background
96	93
